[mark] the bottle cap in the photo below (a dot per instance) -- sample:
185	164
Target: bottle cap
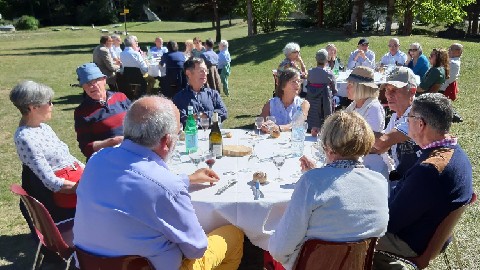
215	117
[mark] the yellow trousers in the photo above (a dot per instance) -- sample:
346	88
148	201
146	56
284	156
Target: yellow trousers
224	251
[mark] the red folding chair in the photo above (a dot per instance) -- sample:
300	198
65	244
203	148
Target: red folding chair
89	261
57	238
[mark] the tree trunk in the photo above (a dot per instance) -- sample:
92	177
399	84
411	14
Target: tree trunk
408	21
249	18
217	21
361	7
353	17
320	13
255	26
389	19
475	21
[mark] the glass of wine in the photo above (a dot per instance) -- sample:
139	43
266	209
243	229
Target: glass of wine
258	123
204	123
278	160
196	157
210	159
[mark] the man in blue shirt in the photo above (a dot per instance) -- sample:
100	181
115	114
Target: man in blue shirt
362	56
203	99
158	50
129	203
394	56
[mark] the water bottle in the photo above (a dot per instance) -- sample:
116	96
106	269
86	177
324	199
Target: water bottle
191	132
336	69
298	132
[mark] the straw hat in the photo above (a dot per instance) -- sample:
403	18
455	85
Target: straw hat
363	75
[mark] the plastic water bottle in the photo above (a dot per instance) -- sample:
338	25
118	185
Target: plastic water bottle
191	132
298	132
336	69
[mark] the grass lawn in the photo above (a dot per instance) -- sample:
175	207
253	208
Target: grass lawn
51	57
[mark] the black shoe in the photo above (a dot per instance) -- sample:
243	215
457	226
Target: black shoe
457	118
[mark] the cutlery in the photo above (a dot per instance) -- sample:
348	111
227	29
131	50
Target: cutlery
230	184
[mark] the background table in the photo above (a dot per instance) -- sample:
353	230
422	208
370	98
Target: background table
154	68
257	218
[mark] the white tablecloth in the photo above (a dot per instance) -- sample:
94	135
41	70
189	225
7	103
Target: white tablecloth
257	218
155	70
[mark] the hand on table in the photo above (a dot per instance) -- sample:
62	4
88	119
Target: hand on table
314	131
306	164
203	175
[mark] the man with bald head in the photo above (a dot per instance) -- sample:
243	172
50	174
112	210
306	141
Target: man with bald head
129	202
394	55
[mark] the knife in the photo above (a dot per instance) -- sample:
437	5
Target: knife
230	184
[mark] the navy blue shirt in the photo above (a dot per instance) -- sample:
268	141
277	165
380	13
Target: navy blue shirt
206	100
173	60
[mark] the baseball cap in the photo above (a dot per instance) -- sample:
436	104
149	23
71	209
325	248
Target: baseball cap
363	41
401	77
321	56
363	75
88	72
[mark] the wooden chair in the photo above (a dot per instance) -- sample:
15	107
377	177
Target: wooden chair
57	238
88	261
131	82
324	255
438	242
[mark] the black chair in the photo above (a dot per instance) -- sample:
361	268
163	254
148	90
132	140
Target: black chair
132	83
174	81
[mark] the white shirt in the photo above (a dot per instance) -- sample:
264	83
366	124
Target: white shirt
398	59
454	72
131	58
400	124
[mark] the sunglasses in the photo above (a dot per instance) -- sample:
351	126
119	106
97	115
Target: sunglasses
412	50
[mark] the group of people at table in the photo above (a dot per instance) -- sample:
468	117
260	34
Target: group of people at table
396	182
112	61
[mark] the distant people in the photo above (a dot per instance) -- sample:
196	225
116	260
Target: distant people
50	173
400	91
417	61
115	50
333	60
394	56
203	99
129	202
340	202
158	50
174	79
293	59
211	60
224	60
284	105
103	59
438	72
363	92
198	48
439	183
130	57
188	48
450	87
321	88
99	118
362	56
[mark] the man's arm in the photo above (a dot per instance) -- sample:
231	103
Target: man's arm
385	141
370	59
351	60
108	60
454	72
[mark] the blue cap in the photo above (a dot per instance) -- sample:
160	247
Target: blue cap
88	72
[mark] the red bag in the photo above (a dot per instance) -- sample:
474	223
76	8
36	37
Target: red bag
269	263
451	91
71	173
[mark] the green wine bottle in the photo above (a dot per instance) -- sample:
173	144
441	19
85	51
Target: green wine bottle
215	138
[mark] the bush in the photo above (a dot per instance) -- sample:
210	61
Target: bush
27	23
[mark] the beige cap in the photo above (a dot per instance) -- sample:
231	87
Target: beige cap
401	77
363	75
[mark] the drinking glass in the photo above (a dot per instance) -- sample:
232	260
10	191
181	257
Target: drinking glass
278	160
318	153
196	157
271	121
209	159
258	123
204	123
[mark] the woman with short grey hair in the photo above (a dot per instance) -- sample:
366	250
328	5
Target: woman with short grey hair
293	59
50	172
416	60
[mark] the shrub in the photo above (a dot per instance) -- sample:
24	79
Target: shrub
27	23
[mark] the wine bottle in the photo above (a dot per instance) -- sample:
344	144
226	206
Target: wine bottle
191	132
215	138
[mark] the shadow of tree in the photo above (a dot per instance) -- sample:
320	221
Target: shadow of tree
18	250
53	50
74	99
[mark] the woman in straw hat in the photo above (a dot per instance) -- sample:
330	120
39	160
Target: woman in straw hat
363	91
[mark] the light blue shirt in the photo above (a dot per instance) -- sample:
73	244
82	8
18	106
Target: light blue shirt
400	58
129	203
115	51
223	59
131	58
368	62
284	115
158	52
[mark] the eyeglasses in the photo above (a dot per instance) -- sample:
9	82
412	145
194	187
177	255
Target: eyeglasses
364	44
94	82
296	81
412	50
395	45
415	116
50	103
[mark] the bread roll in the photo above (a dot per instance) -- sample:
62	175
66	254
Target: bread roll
261	177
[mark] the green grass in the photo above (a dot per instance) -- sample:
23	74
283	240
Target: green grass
51	57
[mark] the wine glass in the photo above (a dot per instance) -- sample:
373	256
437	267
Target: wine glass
278	160
258	123
209	159
204	123
196	157
318	153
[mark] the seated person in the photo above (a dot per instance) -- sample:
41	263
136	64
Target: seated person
362	56
99	118
284	105
363	91
449	88
417	61
293	59
129	203
158	50
40	149
130	57
394	56
103	59
342	201
203	99
333	60
174	79
439	183
438	72
320	90
116	50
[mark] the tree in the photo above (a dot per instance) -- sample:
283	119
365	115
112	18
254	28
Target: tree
389	18
266	13
320	13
